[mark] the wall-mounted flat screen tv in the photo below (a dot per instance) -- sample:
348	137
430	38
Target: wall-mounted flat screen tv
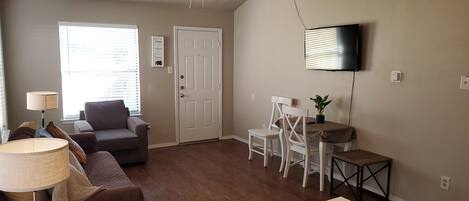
334	48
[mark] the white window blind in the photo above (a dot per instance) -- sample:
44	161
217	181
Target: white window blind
3	105
99	62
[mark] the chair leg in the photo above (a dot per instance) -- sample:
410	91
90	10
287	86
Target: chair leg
328	160
287	164
306	171
322	154
266	150
250	146
282	163
271	148
347	147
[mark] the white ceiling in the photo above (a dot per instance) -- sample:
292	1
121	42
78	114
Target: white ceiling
208	4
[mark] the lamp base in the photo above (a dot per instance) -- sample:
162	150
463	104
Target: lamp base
42	118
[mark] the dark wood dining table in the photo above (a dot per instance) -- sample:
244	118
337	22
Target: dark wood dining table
329	132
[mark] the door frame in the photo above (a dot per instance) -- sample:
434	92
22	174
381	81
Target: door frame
176	75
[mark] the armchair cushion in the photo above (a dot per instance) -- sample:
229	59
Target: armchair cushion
106	114
117	140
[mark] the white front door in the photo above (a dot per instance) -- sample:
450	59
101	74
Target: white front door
198	57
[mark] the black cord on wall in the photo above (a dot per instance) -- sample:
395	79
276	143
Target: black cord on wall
299	15
353	77
351	100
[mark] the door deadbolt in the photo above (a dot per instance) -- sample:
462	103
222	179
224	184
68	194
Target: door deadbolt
182	87
182	76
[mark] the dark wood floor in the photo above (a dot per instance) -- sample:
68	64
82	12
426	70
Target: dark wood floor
218	171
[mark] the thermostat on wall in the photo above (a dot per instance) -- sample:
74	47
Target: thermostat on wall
157	59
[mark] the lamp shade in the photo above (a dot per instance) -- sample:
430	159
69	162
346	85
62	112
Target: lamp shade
42	100
33	164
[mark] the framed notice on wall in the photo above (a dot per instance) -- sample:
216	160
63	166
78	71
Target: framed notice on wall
157	59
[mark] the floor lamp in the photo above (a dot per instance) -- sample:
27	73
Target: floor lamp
33	164
42	100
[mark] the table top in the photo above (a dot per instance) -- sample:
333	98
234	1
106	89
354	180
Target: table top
329	132
32	146
361	157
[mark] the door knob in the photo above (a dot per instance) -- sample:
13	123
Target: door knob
181	95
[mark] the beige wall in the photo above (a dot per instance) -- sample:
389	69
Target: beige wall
422	123
32	53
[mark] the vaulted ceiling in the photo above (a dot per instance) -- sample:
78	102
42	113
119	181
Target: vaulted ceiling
208	4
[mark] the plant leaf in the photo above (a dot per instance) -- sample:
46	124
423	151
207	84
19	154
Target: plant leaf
319	98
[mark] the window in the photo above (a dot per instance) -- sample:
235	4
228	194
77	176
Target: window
99	62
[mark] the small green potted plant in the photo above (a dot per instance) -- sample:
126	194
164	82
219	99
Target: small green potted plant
320	104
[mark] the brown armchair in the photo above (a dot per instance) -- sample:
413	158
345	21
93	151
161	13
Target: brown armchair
125	137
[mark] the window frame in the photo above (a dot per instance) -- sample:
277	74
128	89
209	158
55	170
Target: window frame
100	25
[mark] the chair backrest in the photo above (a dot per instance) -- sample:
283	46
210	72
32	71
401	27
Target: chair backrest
277	103
82	114
106	115
294	118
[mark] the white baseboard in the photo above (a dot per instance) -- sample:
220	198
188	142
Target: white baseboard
235	137
337	177
161	145
170	144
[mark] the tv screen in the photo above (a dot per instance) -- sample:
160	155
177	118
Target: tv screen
333	48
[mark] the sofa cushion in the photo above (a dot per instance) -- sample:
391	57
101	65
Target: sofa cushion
103	170
2	197
106	114
21	133
116	139
72	145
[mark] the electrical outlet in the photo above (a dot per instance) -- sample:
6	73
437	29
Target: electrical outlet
464	82
444	182
253	96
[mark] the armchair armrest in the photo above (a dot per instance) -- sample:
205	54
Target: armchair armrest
137	126
87	141
82	126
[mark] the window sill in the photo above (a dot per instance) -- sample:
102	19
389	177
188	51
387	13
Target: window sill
71	121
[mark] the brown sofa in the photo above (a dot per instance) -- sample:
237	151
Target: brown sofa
103	170
125	137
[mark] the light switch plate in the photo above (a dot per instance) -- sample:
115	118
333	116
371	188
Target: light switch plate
445	182
464	82
396	76
170	70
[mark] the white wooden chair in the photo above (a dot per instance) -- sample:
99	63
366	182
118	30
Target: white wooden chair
272	132
296	142
306	146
